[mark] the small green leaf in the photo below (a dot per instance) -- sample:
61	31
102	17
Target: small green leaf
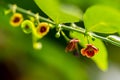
57	13
101	57
102	19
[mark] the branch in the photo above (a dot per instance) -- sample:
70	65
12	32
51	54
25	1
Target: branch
65	27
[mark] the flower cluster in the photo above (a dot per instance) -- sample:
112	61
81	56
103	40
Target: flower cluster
40	29
30	25
89	51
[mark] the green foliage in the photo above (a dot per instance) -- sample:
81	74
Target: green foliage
50	63
101	57
56	12
84	4
102	19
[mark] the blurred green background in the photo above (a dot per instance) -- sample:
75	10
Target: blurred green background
19	61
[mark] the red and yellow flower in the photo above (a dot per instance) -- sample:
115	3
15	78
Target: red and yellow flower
89	51
16	19
42	29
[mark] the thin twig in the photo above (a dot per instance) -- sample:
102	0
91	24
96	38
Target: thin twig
65	27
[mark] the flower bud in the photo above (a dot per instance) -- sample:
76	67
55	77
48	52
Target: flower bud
57	35
51	26
37	45
7	11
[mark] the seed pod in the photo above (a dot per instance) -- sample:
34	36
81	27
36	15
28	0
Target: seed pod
27	26
114	38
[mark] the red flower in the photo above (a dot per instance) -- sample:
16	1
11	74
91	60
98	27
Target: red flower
72	45
89	51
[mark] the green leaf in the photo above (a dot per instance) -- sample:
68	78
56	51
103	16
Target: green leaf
57	13
102	19
101	57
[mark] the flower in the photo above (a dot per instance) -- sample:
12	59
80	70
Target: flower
16	19
72	45
27	26
42	29
89	51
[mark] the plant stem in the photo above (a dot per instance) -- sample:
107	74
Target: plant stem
66	38
78	29
104	39
30	13
65	27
